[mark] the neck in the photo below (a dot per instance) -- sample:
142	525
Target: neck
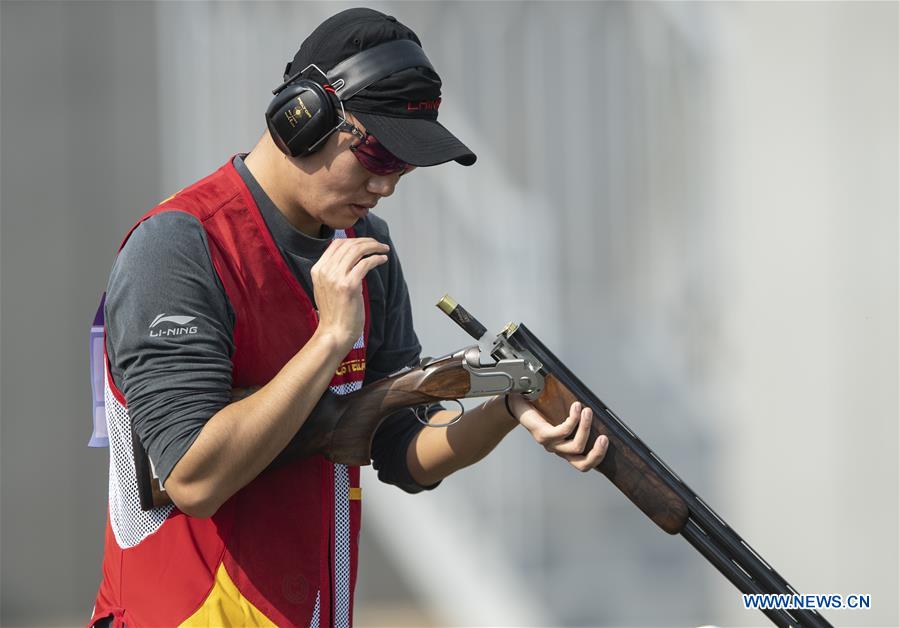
277	176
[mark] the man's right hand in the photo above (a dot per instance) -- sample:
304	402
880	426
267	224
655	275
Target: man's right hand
337	284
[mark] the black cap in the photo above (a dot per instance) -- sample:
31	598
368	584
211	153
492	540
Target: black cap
401	110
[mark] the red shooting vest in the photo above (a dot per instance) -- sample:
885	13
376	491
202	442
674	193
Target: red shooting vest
282	550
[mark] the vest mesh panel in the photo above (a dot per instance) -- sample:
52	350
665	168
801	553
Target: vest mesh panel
314	622
342	531
130	524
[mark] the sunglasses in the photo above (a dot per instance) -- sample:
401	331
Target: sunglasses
372	155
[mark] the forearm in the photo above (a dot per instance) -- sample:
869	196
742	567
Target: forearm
435	453
240	441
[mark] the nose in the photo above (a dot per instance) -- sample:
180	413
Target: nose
382	185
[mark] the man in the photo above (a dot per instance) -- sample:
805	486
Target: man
272	272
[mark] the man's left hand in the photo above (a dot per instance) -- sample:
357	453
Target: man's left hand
555	438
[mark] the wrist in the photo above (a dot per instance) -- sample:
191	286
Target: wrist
509	408
503	411
332	341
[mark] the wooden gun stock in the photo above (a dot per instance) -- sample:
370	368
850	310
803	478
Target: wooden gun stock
341	427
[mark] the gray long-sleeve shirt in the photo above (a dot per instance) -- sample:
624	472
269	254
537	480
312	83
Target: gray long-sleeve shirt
173	388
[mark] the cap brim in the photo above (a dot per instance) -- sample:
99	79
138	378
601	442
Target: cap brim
417	141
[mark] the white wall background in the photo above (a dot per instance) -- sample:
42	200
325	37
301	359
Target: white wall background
693	204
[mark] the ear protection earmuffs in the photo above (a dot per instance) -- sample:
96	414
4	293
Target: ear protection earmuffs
304	112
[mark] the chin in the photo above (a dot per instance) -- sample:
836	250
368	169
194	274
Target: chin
344	219
343	223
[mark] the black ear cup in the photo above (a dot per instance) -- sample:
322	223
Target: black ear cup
300	117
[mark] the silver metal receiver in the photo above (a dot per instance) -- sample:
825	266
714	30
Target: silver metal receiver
519	374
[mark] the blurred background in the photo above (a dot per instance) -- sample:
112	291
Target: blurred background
695	205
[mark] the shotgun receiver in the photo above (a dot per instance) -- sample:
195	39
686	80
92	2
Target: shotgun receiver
341	428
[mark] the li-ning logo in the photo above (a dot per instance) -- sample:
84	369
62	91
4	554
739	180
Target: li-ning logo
180	330
424	104
293	115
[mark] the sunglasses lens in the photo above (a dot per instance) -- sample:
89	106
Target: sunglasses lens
375	158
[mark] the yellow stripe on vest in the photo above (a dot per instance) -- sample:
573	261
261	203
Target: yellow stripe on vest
225	606
355	493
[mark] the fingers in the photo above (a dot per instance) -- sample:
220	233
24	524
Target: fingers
346	252
363	267
545	433
584	417
342	258
337	285
568	439
591	459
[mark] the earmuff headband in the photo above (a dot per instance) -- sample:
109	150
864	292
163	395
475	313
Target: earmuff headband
354	74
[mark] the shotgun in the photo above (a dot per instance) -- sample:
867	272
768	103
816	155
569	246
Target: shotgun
341	428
